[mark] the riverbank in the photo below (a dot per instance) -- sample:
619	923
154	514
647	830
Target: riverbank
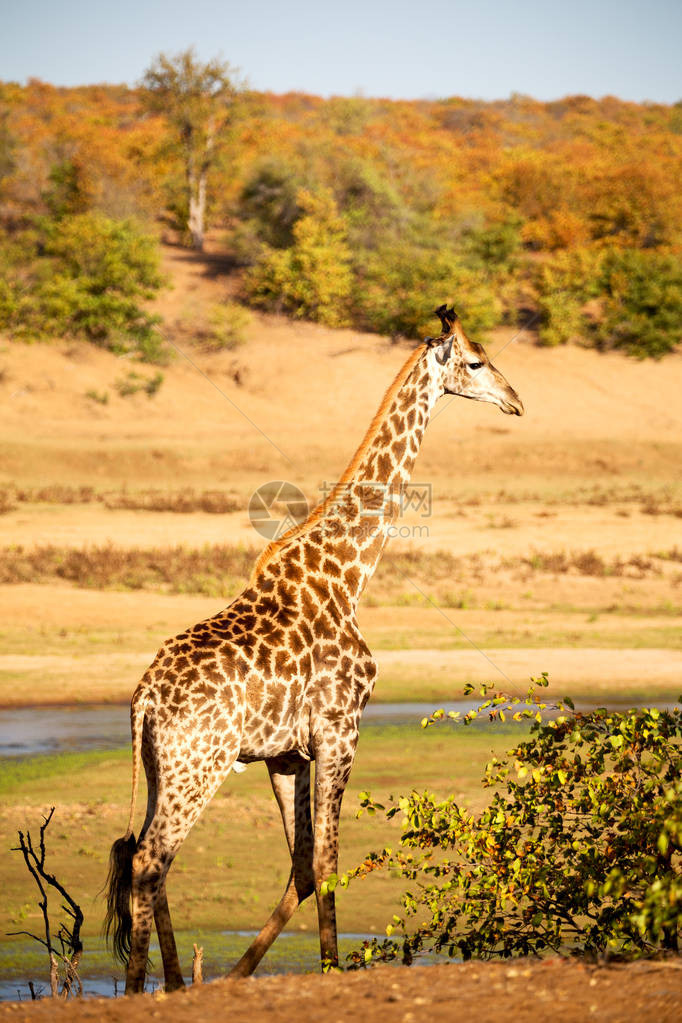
518	991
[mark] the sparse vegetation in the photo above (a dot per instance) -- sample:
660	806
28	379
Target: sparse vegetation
214	571
402	578
212	326
65	947
7	503
101	397
215	502
134	382
591	564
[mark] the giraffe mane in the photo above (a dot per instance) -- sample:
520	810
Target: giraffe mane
317	513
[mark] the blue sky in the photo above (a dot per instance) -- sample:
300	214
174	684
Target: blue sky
401	49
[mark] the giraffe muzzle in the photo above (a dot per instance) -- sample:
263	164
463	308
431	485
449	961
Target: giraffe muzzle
512	404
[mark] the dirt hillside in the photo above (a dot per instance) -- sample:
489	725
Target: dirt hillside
296	398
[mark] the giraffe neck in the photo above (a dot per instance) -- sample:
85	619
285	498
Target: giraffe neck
350	528
367	501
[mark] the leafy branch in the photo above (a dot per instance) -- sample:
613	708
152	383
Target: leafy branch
579	848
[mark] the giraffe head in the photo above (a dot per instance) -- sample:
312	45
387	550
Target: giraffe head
466	370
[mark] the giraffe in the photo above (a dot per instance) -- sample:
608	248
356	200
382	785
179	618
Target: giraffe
281	675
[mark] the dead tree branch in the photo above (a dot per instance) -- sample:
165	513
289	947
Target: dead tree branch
68	937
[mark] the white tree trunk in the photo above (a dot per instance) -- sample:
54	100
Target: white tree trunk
196	183
197	210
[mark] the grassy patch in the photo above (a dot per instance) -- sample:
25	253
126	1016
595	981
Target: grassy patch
587	563
234	865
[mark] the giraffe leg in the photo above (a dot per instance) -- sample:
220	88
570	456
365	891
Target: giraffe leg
162	921
291	784
149	869
331	775
169	953
162	835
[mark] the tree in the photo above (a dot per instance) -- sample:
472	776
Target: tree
199	101
312	278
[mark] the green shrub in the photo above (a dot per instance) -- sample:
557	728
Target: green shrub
370	203
398	286
494	247
312	278
643	303
83	276
612	298
579	849
227	323
134	382
269	201
66	192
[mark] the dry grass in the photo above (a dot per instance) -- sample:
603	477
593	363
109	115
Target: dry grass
54	494
652	506
652	499
216	502
212	571
673	554
7	504
221	569
588	563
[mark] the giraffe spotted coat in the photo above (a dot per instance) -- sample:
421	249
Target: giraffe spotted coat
283	673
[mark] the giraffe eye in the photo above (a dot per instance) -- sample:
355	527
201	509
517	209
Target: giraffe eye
474	365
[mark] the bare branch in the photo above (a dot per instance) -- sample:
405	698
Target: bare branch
69	938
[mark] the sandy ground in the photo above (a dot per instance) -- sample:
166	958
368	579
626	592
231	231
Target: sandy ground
553	989
588	674
510	529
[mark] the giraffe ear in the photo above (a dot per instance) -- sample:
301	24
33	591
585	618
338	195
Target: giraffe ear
444	351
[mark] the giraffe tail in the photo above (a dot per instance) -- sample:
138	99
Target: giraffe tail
118	919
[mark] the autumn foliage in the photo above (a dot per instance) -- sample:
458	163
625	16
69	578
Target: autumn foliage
368	212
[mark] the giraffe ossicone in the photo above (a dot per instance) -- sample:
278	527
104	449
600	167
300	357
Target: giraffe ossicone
281	675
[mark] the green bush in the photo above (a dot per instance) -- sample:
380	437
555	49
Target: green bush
226	325
269	202
83	276
398	286
66	192
643	302
579	849
312	278
370	203
612	298
494	247
134	382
